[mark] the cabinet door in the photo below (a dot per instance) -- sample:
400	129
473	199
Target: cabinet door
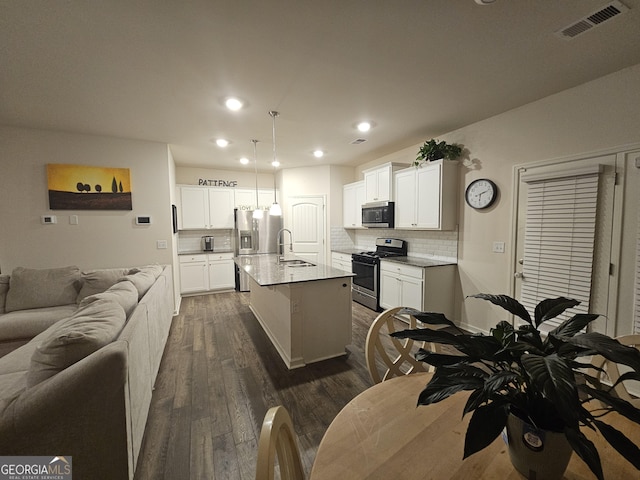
194	207
411	294
221	204
193	277
221	274
384	184
405	187
428	193
360	199
389	290
349	206
371	186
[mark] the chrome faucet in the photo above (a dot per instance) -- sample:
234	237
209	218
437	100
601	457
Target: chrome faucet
282	244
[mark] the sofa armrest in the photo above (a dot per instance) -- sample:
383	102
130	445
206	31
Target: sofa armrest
79	412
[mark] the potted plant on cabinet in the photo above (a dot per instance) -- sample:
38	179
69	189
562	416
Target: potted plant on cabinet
433	150
520	380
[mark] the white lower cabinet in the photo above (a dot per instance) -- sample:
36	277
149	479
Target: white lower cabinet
341	261
423	288
206	272
221	271
194	273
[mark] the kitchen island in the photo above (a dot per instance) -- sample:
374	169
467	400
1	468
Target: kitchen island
305	309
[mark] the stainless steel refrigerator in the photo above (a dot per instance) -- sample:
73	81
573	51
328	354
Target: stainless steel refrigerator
254	236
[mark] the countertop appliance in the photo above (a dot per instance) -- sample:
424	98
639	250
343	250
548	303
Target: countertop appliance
378	215
366	267
207	244
254	236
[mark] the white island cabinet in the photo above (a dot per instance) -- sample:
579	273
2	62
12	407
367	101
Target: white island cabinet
304	310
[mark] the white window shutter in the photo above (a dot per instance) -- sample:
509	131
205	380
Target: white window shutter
559	239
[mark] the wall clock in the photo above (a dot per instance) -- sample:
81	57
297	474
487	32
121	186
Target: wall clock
481	193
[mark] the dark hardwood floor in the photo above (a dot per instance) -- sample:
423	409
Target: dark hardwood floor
219	376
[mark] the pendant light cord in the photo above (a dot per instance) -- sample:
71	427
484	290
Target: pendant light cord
274	114
255	165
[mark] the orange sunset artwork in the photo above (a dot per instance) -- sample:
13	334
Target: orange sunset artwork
79	187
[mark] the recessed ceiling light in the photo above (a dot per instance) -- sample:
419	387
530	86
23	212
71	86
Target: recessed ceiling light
233	103
364	126
275	163
318	153
244	160
222	142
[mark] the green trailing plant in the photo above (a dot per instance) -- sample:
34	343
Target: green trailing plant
433	150
544	381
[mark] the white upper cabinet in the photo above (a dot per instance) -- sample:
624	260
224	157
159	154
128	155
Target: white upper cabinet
378	182
427	196
352	200
246	198
221	202
206	207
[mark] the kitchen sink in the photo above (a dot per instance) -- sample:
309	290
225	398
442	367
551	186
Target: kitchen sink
297	263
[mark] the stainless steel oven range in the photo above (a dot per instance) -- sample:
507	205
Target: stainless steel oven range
366	267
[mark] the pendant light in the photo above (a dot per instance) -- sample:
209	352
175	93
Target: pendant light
257	213
275	209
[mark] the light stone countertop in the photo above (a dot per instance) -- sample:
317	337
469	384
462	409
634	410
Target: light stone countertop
413	261
265	270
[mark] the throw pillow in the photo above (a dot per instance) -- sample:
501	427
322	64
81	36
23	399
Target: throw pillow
123	293
142	281
97	281
38	288
69	341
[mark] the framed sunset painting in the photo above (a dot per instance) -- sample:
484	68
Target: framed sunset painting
79	187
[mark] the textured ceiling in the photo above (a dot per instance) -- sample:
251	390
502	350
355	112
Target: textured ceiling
417	68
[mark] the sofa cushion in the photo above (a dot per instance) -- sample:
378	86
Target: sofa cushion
37	288
97	281
4	288
155	270
142	280
29	323
11	386
70	340
123	293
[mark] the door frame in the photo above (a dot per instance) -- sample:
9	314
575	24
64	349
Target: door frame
621	154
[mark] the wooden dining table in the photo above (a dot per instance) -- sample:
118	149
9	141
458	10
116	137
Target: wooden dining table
383	434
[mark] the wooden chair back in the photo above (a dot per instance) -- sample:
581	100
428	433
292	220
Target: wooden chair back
398	355
278	448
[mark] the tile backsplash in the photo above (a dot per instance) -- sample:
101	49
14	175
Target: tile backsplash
421	243
190	240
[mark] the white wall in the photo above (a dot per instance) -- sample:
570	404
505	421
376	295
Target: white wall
245	178
102	238
598	115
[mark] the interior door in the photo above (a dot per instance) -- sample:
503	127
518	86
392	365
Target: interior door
306	222
602	298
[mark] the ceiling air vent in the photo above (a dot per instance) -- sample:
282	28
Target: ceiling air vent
358	141
592	20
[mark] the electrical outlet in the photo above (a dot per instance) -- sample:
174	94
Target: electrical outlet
73	219
161	244
498	247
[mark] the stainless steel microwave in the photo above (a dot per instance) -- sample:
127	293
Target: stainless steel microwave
378	214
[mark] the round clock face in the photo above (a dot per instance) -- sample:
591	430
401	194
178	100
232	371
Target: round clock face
481	193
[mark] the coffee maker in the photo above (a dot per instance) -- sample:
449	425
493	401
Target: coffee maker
207	243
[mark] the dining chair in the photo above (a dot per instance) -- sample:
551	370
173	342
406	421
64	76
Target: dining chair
610	372
278	448
402	351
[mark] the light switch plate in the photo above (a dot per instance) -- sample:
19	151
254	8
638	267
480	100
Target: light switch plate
498	247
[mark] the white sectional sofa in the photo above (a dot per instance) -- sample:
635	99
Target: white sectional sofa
80	381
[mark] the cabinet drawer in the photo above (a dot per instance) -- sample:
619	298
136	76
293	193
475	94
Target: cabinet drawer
202	257
399	269
341	257
221	256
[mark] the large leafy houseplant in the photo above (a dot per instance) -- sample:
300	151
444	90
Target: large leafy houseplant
433	150
517	370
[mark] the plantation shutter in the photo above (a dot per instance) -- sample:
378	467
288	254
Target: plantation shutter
559	239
